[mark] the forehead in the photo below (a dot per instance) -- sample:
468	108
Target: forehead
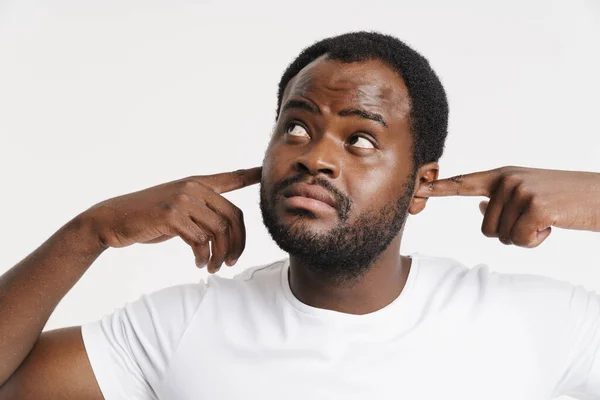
335	84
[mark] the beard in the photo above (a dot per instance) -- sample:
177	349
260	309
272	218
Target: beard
347	250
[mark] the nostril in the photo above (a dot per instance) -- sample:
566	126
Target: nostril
301	166
315	167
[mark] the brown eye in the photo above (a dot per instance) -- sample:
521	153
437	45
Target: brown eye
362	142
296	130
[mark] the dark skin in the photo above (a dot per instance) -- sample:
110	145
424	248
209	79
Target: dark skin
366	159
524	205
54	364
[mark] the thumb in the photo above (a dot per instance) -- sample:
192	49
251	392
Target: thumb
483	206
541	236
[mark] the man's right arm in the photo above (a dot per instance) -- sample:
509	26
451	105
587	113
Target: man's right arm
53	364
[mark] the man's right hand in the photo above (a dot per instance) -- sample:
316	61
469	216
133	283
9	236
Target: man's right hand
54	364
191	208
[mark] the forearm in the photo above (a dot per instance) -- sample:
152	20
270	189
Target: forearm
31	290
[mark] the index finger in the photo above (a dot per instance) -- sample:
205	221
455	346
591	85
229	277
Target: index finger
473	184
228	181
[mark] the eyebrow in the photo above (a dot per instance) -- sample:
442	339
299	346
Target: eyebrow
303	105
365	114
313	108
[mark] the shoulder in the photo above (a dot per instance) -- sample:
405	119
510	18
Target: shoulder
264	274
261	272
252	283
480	288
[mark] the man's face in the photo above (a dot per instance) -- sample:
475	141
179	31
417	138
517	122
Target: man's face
344	128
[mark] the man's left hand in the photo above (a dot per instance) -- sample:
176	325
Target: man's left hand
525	203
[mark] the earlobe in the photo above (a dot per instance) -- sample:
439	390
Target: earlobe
427	173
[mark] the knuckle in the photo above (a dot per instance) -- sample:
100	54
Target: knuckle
510	180
188	184
223	226
202	239
457	179
521	191
181	198
537	204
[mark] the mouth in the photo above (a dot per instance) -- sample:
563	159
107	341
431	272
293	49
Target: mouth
309	197
307	203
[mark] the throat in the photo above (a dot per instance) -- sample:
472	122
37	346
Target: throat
379	286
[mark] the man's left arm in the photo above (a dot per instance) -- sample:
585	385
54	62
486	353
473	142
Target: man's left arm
525	203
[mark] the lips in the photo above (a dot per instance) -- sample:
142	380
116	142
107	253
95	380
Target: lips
312	192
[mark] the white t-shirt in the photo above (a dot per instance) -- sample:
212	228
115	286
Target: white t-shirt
453	333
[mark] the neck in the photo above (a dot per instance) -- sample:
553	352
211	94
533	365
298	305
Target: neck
380	285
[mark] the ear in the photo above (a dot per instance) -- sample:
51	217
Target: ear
425	175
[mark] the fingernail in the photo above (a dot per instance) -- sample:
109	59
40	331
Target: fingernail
231	262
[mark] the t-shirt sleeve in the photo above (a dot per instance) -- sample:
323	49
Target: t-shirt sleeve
579	366
129	350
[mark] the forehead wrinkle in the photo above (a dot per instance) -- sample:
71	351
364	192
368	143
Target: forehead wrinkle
363	91
363	94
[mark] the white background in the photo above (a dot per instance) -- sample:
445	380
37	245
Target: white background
99	99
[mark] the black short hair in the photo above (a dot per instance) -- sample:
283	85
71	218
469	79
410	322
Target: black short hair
429	105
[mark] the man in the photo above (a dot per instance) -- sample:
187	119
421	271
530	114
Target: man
361	124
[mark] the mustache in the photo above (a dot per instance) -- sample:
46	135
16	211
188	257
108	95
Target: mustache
343	202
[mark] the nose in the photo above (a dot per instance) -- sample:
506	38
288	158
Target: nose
320	157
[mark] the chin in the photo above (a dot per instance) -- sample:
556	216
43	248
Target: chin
305	220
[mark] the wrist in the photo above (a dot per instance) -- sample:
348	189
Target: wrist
83	233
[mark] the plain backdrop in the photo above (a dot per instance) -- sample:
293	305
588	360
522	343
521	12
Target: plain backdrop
99	99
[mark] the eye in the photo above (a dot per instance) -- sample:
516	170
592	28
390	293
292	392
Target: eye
294	129
362	142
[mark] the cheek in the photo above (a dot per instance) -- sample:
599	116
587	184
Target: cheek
377	186
371	193
278	158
